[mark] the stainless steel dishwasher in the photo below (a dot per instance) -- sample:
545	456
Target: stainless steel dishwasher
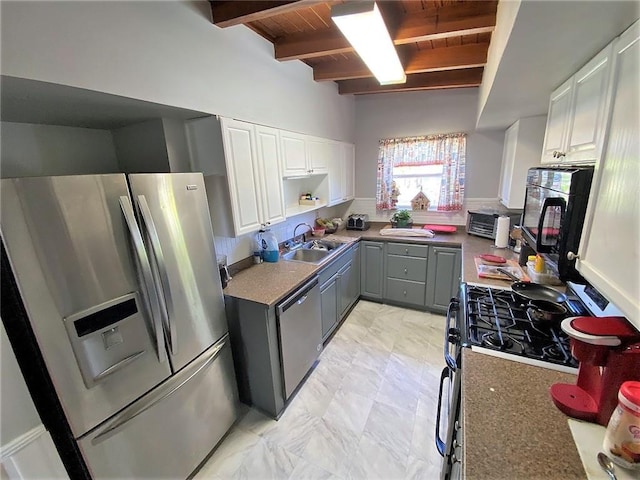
300	332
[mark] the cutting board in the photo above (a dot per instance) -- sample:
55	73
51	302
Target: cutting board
588	438
490	270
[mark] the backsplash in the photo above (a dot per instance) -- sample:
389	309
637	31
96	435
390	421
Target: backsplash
239	248
368	206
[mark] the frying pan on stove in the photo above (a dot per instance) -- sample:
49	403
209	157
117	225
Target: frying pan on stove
534	291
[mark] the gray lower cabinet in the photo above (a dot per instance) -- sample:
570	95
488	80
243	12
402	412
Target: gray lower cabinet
406	267
443	277
339	289
329	305
372	270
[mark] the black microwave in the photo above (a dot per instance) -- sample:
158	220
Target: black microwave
554	210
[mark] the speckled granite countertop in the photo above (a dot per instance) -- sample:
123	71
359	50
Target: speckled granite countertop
269	283
512	429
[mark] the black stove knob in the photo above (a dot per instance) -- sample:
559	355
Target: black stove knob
454	336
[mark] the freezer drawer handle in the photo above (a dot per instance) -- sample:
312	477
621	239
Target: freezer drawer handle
120	422
440	445
114	368
163	291
147	291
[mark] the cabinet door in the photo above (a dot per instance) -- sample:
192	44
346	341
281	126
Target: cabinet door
372	270
335	173
557	119
355	276
294	154
608	254
242	175
268	149
588	115
345	275
348	187
318	155
329	305
443	277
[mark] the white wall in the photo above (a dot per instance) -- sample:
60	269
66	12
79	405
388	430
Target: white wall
31	150
170	53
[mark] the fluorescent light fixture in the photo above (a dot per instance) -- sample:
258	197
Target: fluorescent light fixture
362	24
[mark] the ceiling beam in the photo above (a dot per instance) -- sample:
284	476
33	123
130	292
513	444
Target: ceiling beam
230	13
450	21
420	81
422	61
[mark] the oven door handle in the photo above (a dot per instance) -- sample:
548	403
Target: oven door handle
451	335
548	202
440	445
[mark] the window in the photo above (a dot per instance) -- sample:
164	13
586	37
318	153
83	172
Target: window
422	173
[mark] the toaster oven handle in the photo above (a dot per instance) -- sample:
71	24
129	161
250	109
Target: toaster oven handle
548	202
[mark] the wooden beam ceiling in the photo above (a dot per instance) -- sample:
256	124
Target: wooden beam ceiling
441	43
411	29
238	12
421	81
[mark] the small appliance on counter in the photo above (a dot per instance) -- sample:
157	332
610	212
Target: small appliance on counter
358	221
484	223
608	350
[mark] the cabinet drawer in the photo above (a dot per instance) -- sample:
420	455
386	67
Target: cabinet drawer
408	250
407	268
405	291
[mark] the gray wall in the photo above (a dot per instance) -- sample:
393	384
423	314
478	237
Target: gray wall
32	150
169	53
418	113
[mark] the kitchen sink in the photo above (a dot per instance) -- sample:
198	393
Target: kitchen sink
315	251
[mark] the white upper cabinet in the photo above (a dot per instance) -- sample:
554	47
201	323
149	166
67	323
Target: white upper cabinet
294	154
268	149
241	166
608	254
319	150
341	172
578	114
522	149
304	154
349	152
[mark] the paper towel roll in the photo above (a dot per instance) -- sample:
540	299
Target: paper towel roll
502	232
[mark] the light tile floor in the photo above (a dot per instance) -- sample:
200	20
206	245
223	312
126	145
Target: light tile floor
367	411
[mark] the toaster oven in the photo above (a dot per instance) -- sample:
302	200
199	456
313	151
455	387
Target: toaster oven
484	223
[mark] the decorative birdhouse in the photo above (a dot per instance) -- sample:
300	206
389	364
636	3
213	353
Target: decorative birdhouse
420	202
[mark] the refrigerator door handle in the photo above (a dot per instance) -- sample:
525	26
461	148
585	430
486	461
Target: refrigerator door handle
163	290
147	276
121	420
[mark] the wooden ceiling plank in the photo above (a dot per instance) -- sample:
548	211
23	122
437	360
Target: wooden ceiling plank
448	58
411	29
418	61
422	81
229	13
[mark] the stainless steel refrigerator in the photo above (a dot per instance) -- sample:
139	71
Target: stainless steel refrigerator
119	281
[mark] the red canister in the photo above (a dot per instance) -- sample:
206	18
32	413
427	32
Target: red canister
622	439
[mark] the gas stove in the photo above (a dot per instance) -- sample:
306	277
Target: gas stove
499	322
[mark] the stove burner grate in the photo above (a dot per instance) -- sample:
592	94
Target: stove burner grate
495	339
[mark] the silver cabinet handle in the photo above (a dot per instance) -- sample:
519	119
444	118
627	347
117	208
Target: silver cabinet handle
302	299
406	251
163	289
572	256
114	368
148	291
404	293
121	420
405	271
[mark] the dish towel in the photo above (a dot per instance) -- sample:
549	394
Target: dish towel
407	232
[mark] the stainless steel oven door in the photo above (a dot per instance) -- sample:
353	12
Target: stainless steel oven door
447	416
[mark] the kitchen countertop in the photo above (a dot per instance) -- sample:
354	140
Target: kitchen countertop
512	429
268	283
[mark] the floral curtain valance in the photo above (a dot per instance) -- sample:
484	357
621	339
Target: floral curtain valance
448	150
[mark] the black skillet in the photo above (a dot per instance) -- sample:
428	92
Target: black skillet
534	291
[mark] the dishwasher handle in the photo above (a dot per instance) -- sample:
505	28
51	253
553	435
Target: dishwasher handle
297	298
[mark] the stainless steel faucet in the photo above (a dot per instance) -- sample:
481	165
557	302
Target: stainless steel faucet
304	238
